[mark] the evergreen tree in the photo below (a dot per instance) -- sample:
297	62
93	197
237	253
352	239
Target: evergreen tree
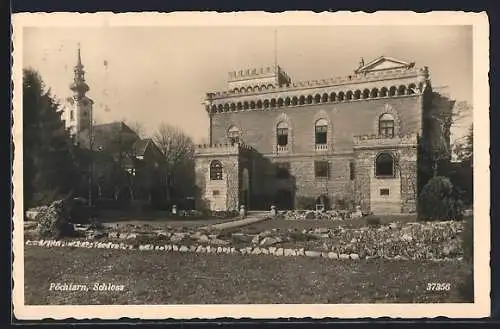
49	170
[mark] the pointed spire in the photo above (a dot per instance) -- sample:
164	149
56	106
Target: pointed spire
79	60
79	86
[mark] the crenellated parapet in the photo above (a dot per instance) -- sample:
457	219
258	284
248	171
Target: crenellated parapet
221	149
408	81
377	141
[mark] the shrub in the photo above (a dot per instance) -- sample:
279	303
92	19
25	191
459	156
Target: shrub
468	239
304	202
373	221
439	200
343	203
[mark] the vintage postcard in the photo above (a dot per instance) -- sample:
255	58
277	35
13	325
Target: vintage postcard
252	164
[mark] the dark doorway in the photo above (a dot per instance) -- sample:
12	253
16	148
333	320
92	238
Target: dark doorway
284	199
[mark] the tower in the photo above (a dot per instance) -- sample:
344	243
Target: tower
78	115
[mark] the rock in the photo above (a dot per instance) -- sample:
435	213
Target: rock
333	255
406	237
265	251
268	241
279	252
343	256
177	237
256	251
301	252
310	215
202	238
354	256
219	242
272	250
321	230
256	240
310	253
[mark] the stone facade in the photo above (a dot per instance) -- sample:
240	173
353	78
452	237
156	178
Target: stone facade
385	107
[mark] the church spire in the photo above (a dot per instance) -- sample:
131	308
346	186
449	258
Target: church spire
79	87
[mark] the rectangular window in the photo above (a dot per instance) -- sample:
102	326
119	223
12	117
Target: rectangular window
387	129
282	170
215	192
321	132
321	169
384	192
282	136
352	174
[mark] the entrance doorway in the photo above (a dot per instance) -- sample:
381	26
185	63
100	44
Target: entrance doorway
284	199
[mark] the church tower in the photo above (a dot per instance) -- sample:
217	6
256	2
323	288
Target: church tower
78	115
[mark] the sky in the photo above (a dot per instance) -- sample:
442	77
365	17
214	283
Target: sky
162	73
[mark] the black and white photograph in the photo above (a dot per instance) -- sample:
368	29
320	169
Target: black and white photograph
251	165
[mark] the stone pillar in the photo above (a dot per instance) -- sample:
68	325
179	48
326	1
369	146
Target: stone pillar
243	211
174	210
274	212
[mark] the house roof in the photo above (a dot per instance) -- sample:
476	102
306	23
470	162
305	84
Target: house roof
111	137
383	63
141	146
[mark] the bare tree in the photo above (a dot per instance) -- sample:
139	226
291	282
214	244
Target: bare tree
446	120
178	150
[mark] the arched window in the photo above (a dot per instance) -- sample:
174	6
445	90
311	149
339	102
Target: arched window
374	93
366	93
282	134
321	130
215	170
324	99
233	135
309	99
357	94
384	165
386	125
317	98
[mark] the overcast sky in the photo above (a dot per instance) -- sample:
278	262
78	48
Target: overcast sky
161	74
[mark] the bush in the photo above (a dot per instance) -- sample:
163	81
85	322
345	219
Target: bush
468	239
53	221
343	203
439	200
373	221
307	203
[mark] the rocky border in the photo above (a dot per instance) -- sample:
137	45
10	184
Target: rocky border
202	249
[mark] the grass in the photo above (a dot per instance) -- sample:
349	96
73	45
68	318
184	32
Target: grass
157	277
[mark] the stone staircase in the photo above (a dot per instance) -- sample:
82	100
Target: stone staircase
252	217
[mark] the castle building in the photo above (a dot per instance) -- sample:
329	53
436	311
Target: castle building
358	137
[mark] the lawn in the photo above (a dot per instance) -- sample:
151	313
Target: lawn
157	277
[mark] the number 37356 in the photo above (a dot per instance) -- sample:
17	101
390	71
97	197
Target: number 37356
437	286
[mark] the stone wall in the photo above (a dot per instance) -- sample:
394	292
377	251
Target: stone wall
226	197
258	127
402	187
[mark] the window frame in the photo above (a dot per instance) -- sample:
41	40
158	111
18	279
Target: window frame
282	134
216	175
386	127
317	164
393	165
321	132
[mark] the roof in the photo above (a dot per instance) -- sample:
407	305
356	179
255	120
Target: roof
111	137
141	146
383	63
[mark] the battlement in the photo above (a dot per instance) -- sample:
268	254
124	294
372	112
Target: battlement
221	149
256	73
422	75
369	141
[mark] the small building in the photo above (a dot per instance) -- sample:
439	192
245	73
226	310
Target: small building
125	168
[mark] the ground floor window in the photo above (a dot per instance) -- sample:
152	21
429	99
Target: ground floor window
384	165
321	169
